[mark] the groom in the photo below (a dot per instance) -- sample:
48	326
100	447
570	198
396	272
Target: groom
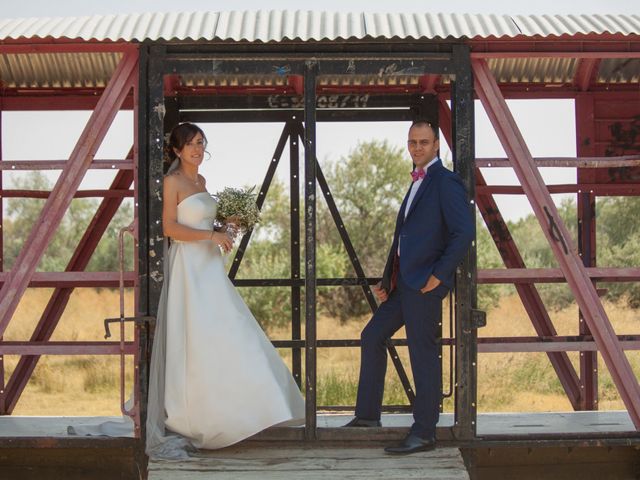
433	232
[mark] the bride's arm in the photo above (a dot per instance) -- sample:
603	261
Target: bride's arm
171	227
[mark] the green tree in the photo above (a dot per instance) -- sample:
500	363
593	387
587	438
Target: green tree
23	213
536	251
368	187
618	244
487	257
268	256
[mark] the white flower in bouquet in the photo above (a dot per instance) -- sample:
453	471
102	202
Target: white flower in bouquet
238	207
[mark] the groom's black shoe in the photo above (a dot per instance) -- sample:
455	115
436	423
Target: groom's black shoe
361	422
412	444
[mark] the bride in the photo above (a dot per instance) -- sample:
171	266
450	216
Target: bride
215	378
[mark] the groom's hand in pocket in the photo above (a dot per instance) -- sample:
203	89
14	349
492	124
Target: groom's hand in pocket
380	292
432	283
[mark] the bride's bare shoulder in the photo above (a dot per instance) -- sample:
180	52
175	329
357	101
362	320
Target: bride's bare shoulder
173	178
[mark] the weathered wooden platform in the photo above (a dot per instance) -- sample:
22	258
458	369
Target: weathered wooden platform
316	463
511	425
526	446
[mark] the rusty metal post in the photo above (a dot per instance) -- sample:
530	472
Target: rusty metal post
466	378
150	186
310	74
585	133
294	216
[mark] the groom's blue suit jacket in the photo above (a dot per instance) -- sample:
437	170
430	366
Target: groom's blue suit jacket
436	233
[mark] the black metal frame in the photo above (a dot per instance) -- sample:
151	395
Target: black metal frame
158	112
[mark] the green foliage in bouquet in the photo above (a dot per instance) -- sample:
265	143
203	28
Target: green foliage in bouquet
239	206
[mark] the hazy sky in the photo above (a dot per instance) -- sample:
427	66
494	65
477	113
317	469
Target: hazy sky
240	153
39	8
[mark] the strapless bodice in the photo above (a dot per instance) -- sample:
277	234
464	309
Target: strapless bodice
198	211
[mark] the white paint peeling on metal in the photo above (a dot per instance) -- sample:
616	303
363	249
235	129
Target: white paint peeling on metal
280	25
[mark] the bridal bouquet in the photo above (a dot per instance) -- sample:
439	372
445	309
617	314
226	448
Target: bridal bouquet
238	207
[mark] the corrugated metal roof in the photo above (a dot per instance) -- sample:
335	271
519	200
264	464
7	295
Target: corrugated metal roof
93	70
77	70
624	70
57	70
558	25
260	26
533	69
279	25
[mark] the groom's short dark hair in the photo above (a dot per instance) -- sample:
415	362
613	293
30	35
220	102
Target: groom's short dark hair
426	123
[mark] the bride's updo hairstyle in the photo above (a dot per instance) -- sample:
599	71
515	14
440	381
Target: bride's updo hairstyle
181	134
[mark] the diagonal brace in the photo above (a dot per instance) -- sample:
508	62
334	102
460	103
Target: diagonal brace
60	296
512	259
123	80
357	266
559	239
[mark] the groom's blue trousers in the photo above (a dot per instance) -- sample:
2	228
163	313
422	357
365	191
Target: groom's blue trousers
421	314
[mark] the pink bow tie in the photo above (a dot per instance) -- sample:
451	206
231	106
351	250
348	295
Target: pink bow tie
417	174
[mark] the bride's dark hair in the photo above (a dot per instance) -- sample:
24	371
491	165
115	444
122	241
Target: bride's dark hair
181	134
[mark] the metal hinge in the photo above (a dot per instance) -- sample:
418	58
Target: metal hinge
478	318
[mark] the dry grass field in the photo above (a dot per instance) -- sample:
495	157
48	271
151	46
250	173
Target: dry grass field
63	385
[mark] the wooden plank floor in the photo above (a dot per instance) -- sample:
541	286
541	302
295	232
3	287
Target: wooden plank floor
312	463
513	424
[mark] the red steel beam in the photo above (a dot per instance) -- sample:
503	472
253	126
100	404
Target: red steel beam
521	275
549	344
585	131
35	349
428	83
171	85
568	43
71	99
577	162
121	83
559	238
512	259
297	83
74	279
562	91
586	73
60	164
77	194
56	100
485	345
60	296
596	188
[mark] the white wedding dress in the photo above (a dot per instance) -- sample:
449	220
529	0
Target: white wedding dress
224	380
215	378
